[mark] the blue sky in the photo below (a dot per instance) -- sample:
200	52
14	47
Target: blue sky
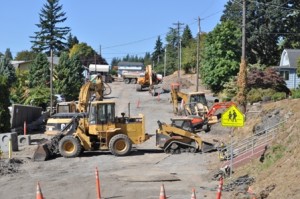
120	27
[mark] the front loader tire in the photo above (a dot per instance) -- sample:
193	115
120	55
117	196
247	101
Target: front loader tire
120	145
69	147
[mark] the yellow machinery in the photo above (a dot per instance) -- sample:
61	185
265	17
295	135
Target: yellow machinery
189	102
66	110
148	81
99	129
180	136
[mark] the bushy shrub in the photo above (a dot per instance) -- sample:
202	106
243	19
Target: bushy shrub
254	95
259	94
278	96
296	93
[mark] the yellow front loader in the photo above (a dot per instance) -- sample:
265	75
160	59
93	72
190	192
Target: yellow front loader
99	129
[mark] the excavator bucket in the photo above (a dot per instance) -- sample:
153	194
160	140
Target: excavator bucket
42	152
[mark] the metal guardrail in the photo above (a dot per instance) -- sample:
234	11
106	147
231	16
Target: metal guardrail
262	138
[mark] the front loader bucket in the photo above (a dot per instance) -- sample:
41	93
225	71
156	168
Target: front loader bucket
42	152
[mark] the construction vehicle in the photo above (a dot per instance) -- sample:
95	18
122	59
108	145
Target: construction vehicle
148	80
188	101
132	77
180	136
95	127
66	110
203	119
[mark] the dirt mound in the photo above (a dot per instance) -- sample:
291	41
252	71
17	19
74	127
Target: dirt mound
10	166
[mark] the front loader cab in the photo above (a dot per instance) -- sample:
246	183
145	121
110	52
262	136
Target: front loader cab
102	113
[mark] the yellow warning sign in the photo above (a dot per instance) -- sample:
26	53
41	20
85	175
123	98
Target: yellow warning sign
232	117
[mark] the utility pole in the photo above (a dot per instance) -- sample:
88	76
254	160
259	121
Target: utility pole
179	46
51	82
242	77
165	63
198	52
100	51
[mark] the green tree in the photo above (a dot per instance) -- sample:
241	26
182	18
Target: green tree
25	55
221	56
69	77
7	70
38	96
39	72
172	40
187	37
4	104
271	26
20	87
72	40
50	36
158	54
87	54
8	54
147	59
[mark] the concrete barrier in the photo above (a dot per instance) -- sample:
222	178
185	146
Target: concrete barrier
4	141
24	140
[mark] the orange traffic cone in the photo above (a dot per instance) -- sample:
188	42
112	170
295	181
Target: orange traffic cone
219	193
97	184
193	194
39	194
162	194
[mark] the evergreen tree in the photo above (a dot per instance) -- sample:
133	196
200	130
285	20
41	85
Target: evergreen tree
158	54
4	104
221	55
72	41
50	36
147	59
7	70
20	87
69	77
39	71
187	37
115	61
172	50
8	54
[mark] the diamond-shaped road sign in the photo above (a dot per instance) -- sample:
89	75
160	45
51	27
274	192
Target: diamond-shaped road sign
232	117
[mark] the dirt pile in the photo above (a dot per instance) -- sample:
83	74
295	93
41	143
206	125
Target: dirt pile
10	166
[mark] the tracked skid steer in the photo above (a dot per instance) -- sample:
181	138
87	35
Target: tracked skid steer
180	136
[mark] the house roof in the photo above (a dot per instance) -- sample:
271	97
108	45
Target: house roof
289	58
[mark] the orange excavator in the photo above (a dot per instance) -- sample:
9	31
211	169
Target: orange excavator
203	120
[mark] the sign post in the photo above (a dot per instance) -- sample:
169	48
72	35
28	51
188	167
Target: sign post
232	117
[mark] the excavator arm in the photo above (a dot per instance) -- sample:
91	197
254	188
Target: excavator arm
88	90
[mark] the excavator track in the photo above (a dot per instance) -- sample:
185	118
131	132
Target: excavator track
176	147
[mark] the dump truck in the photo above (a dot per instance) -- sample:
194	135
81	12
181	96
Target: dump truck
132	77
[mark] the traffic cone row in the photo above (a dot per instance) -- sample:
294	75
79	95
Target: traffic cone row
162	194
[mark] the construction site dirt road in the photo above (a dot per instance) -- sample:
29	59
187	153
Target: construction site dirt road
138	175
